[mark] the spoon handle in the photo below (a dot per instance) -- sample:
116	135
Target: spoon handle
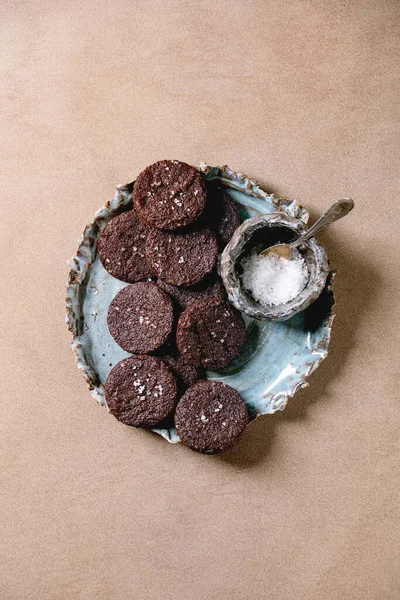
339	209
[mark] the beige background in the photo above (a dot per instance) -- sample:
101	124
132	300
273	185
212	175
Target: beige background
301	95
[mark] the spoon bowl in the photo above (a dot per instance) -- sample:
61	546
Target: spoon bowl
281	250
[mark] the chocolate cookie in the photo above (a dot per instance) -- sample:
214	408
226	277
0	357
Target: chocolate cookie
210	287
181	259
210	417
140	391
210	332
121	248
229	219
186	373
169	194
221	214
140	317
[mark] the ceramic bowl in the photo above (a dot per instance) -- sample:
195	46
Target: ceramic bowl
278	357
261	232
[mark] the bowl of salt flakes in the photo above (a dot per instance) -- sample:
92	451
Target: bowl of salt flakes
272	287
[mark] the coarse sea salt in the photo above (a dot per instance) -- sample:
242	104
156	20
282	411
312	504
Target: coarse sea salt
272	279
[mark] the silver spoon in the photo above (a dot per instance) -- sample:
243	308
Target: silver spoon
339	209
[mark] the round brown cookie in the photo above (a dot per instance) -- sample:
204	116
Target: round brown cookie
181	259
121	248
211	332
186	373
221	214
210	417
140	317
211	287
229	219
169	194
140	391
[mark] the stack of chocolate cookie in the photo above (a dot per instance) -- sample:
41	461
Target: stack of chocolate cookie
173	317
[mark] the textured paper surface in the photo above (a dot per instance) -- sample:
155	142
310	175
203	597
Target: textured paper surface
300	95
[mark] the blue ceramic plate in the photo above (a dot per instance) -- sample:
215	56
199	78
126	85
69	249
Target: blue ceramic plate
277	358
